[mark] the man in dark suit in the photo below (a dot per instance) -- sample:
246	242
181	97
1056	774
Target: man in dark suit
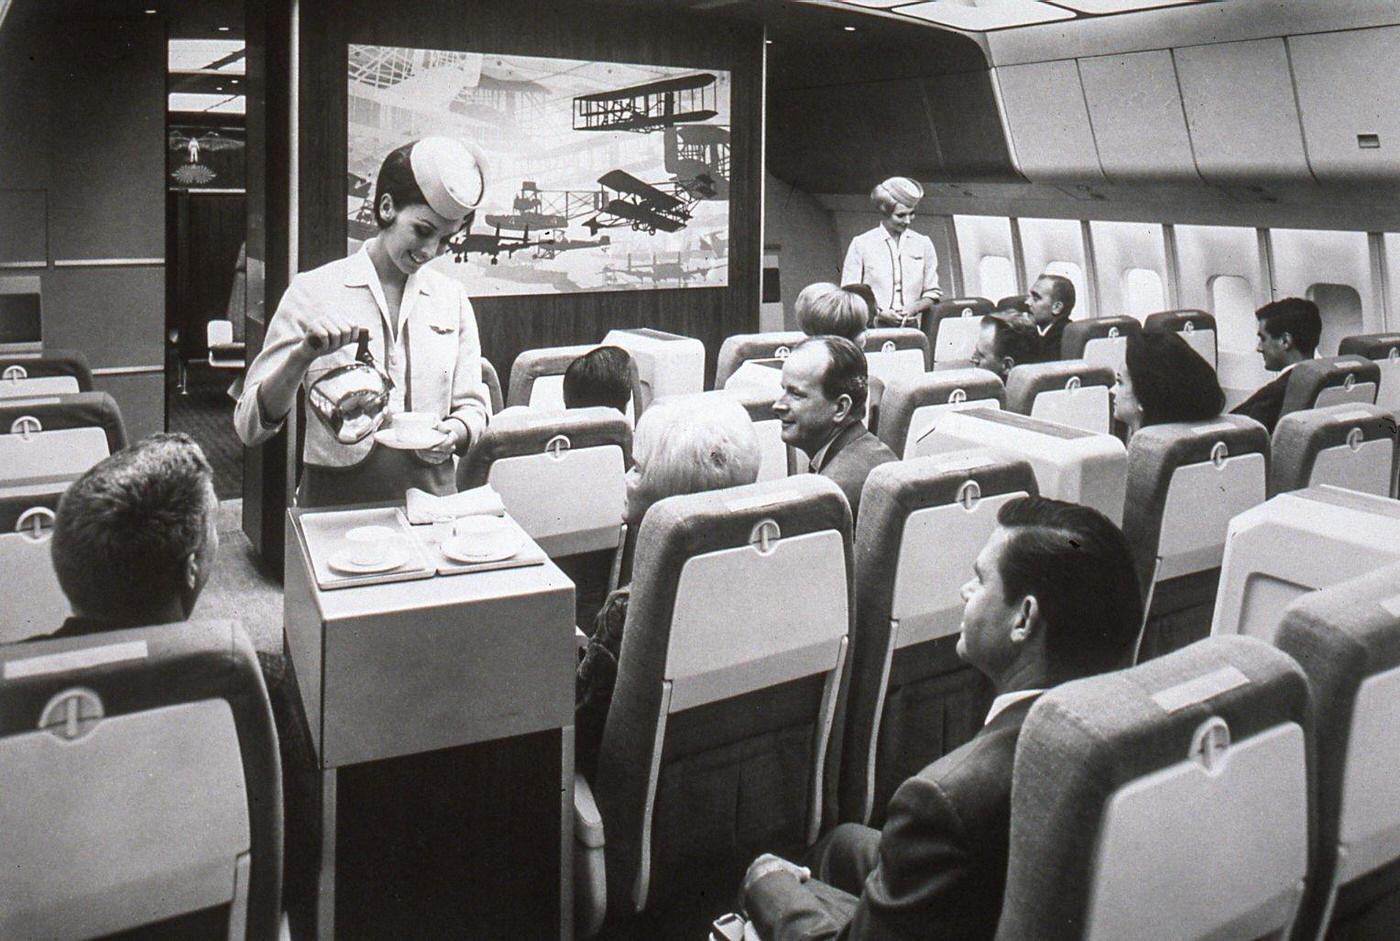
1050	301
1053	598
135	537
825	385
1289	331
1006	340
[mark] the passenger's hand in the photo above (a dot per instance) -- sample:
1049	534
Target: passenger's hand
326	333
768	864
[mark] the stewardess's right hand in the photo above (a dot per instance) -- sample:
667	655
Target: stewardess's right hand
326	333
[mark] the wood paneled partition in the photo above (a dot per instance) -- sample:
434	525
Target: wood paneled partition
589	31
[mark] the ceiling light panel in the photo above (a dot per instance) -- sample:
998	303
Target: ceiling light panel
1121	6
978	15
874	4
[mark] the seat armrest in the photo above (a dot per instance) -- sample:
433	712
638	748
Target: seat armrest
588	823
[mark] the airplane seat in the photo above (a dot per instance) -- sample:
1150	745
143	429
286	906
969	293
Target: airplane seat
1295	543
724	734
737	350
1348	446
48	373
1173	799
224	351
1347	640
1011	300
913	404
1384	348
1186	481
1071	392
492	380
1070	464
32	599
142	785
953	326
912	700
896	352
1331	380
666	363
537	378
1101	341
560	475
1196	327
57	437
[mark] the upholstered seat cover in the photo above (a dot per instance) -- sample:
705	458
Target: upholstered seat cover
65	411
1355	442
1196	327
1330	381
904	397
532	365
742	347
51	363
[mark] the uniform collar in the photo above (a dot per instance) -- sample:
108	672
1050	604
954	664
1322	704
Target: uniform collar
361	273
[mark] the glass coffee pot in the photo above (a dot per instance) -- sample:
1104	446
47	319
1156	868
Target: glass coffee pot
352	400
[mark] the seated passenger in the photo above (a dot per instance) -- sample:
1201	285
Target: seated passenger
866	293
1289	331
1165	381
1007	339
134	538
1050	303
824	393
1053	598
825	310
679	447
599	377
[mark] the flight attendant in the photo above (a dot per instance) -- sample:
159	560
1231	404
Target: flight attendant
899	264
422	334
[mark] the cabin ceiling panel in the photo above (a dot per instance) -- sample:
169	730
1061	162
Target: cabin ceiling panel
1049	122
1135	108
1241	112
1347	89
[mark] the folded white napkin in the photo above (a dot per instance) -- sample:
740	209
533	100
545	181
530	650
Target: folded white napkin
423	507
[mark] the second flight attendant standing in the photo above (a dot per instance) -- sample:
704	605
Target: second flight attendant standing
422	333
899	264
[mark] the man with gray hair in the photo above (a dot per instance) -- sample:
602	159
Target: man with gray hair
134	538
898	264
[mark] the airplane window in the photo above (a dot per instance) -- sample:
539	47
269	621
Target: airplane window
996	277
1340	305
1142	292
1232	303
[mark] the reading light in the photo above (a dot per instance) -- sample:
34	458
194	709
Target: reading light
849	29
222	29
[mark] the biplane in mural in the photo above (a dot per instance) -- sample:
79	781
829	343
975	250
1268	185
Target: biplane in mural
659	271
648	107
490	244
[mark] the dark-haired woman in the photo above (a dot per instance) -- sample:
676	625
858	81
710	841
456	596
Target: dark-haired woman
1164	381
422	333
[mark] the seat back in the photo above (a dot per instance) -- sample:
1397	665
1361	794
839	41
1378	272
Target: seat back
1332	380
1296	543
492	379
218	332
1196	327
537	378
31	597
1173	798
1348	446
50	365
953	326
1186	481
57	437
1070	464
560	475
913	404
1070	392
720	732
667	363
1101	341
1347	640
896	353
742	347
922	523
1384	349
142	784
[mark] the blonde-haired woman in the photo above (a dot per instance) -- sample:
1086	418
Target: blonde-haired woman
898	264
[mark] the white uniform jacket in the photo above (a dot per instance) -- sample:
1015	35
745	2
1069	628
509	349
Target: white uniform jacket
871	260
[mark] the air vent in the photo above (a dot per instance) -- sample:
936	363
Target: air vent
1368	141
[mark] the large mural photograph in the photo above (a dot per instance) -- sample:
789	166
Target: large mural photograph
602	176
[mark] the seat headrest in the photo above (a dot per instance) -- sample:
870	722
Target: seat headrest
1086	739
530	432
1179	321
1025	382
1078	333
902	338
67	410
741	347
959	307
906	394
493	385
1371	345
1308	379
546	361
51	363
1301	435
899	488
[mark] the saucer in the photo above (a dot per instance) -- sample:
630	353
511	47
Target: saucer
494	547
389	437
391	557
371	534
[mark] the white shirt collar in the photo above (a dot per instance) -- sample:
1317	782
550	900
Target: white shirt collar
1006	700
897	240
362	273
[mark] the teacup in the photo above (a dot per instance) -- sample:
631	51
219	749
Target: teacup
417	429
